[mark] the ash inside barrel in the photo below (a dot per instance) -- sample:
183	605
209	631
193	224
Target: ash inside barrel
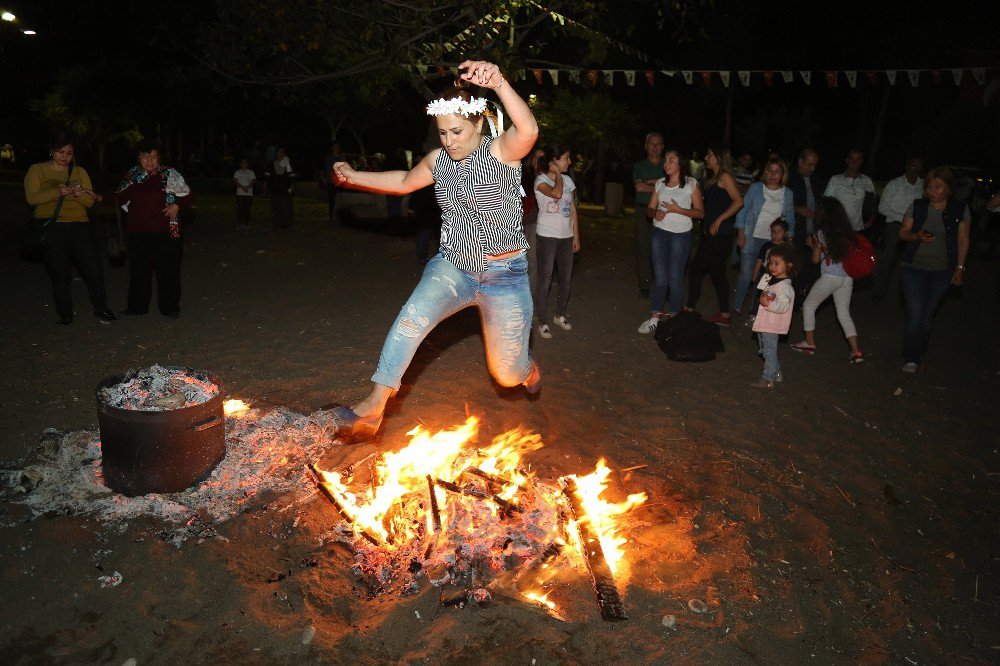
160	388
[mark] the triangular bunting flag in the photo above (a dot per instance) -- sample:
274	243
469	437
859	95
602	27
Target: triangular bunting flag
609	77
979	74
669	72
786	75
957	75
914	76
852	77
649	76
891	75
574	75
831	78
806	76
630	77
554	73
936	75
538	76
872	78
725	78
441	70
744	78
423	69
688	77
769	77
706	78
592	77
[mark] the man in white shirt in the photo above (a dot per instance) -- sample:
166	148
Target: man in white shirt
850	189
898	195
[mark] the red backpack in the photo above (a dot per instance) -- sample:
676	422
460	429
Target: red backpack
860	260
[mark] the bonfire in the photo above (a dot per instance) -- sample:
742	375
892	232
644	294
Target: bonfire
477	518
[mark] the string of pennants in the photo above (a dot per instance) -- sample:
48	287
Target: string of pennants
832	77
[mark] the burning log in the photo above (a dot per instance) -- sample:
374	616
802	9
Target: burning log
435	511
496	483
608	599
459	490
328	493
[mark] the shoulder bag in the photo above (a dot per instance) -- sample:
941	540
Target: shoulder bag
34	241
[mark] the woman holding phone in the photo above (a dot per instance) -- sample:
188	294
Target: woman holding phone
61	192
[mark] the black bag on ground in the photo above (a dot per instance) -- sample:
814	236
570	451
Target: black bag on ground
687	338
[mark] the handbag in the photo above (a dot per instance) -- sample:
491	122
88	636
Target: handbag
34	241
117	247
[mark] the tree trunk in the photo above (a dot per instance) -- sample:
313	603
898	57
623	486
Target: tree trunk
729	115
879	125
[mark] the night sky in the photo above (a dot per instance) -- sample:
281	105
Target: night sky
747	35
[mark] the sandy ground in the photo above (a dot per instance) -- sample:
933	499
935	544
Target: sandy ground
848	516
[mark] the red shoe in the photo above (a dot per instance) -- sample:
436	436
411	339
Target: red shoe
721	319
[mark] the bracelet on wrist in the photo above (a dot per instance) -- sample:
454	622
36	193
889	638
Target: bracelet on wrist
960	267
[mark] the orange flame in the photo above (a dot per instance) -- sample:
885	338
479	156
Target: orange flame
234	407
602	514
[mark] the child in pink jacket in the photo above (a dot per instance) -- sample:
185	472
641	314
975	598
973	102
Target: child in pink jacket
775	314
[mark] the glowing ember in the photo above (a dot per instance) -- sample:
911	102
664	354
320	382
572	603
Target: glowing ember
540	599
602	514
234	407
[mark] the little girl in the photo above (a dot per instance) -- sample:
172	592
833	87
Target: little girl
775	314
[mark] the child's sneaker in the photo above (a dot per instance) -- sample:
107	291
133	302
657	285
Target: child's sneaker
543	330
562	323
910	367
779	377
648	326
856	357
804	348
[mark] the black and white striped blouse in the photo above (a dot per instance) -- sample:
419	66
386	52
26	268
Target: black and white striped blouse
481	206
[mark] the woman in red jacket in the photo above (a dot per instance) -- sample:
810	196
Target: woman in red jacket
154	198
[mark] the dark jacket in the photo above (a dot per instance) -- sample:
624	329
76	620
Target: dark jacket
797	184
952	216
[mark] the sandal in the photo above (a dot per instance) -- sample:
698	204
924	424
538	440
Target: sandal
804	348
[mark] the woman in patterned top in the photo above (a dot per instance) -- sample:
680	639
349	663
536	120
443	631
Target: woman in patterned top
482	262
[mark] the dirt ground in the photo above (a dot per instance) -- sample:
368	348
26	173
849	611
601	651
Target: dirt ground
847	516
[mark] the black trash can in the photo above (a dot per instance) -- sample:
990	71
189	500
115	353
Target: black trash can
160	451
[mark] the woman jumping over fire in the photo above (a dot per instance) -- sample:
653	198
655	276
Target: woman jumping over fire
482	262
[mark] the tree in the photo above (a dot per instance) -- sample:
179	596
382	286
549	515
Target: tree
92	107
280	44
594	126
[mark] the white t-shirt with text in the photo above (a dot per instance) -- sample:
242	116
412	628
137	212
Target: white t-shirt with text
554	215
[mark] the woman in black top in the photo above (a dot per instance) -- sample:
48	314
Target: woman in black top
722	201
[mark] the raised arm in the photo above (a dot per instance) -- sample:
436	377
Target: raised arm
387	182
517	141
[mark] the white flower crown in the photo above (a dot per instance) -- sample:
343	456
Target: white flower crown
457	106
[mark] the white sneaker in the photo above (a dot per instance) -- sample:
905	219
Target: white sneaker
648	326
779	377
562	323
910	367
543	330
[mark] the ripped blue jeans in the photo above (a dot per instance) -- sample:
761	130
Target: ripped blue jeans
503	297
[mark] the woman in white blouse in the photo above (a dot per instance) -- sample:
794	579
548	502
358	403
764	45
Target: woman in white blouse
675	202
